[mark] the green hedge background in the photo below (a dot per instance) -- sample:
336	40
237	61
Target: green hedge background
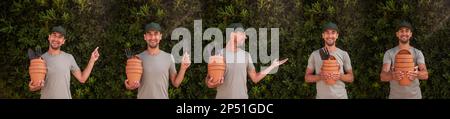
367	31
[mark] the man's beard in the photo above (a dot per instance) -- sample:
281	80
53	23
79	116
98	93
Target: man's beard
404	41
155	46
330	44
55	48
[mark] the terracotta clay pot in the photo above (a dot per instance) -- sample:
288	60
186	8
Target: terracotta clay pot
330	66
216	67
403	56
404	62
134	69
405	69
37	69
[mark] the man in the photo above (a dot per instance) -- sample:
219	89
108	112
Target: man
59	65
330	33
388	73
238	65
158	68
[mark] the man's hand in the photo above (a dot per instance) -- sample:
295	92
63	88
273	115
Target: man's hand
330	76
211	83
335	76
131	85
397	75
276	63
185	61
95	55
412	75
34	86
324	76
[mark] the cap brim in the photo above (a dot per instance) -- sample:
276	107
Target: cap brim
153	29
337	30
62	33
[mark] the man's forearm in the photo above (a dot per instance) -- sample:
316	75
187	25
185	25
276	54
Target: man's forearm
386	76
179	78
87	71
347	78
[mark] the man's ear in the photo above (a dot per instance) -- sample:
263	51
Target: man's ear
64	40
144	36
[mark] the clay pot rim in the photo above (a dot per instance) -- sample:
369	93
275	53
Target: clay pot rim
404	65
215	59
37	68
136	73
404	60
404	69
132	69
330	65
330	71
330	68
134	62
216	65
403	56
38	71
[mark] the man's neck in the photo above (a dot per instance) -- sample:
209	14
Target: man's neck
52	51
331	48
153	51
231	46
404	45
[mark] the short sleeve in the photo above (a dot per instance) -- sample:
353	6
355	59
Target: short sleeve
172	69
73	64
420	57
387	58
311	61
250	65
347	62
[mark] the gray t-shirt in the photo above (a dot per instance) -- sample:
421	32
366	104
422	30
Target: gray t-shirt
336	91
57	80
235	81
156	75
404	92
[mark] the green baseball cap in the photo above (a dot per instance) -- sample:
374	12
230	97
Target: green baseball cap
236	27
59	29
404	23
152	26
330	25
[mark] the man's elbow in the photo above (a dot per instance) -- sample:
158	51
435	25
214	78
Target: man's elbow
351	79
307	79
348	79
32	90
255	79
383	77
83	80
425	77
176	85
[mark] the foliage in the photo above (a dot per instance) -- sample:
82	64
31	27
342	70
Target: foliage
366	32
